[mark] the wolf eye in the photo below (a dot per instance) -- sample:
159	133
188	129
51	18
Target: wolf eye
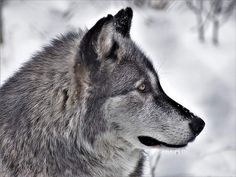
142	87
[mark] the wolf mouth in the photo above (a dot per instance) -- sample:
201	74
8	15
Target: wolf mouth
149	141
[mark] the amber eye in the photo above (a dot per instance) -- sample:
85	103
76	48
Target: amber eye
142	87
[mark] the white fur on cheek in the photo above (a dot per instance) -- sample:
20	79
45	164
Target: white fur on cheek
152	79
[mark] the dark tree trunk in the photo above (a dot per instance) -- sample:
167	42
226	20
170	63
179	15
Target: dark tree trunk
1	25
197	7
201	31
217	11
215	36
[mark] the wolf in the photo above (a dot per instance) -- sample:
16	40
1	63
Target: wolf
88	105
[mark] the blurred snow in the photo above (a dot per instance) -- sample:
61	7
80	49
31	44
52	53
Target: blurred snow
199	76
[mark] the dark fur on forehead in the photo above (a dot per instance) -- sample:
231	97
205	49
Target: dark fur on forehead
133	53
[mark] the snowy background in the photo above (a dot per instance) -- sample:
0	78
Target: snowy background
201	76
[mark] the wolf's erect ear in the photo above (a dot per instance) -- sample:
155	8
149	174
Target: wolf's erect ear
122	21
99	43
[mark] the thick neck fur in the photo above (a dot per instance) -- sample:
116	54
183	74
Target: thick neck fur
115	157
58	156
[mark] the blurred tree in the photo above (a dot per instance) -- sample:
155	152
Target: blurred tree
154	160
216	12
220	12
159	4
140	3
197	7
156	4
1	25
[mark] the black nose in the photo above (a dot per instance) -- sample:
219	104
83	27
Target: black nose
196	125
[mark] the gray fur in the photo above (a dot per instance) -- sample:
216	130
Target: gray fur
74	109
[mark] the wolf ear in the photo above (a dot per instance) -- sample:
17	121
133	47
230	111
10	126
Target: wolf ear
122	21
99	43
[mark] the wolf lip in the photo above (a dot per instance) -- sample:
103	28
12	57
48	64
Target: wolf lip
149	141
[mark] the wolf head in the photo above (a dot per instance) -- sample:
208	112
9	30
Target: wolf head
124	98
